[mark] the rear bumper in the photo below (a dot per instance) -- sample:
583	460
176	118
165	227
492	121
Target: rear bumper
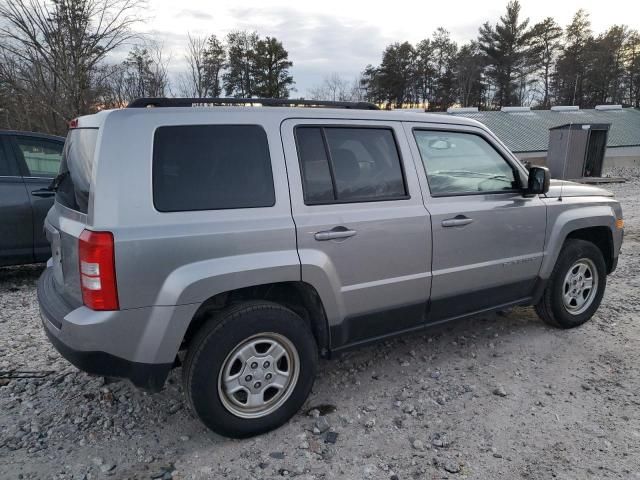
148	376
79	334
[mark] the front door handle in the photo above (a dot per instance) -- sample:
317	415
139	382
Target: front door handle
334	234
458	221
43	192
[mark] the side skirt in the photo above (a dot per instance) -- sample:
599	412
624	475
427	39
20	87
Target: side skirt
377	325
361	343
352	333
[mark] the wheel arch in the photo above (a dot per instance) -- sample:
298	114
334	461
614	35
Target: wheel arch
593	223
601	237
300	297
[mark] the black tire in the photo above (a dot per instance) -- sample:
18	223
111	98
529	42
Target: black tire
551	308
215	341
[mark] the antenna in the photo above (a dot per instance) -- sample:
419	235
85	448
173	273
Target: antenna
564	165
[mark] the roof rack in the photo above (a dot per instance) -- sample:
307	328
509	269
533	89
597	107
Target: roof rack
265	102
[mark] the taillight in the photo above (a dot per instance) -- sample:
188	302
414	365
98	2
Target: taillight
98	270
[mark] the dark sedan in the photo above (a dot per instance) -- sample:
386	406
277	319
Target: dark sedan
28	163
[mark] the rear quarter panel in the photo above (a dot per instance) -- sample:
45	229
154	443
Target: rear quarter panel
176	258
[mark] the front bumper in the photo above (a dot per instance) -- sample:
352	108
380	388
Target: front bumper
75	331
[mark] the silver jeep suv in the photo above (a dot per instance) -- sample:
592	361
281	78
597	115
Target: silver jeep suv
244	242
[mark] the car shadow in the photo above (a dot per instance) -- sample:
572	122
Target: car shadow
23	274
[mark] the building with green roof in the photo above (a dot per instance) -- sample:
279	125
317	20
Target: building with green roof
526	131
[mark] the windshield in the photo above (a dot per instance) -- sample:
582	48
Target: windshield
73	182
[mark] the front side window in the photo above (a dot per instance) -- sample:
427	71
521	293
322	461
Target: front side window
211	167
41	156
463	163
345	164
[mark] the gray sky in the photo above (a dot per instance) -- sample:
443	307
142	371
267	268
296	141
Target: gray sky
344	36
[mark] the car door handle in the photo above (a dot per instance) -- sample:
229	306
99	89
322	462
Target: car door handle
458	221
334	234
43	192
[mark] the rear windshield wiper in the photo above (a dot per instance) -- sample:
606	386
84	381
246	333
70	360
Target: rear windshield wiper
55	183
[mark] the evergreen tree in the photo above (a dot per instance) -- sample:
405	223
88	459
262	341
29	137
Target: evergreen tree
572	64
270	69
214	62
505	47
370	85
444	57
632	73
605	66
238	79
424	71
397	74
468	73
545	44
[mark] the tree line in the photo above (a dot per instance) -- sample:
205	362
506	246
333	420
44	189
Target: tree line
510	63
56	63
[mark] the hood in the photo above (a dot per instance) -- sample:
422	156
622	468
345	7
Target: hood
573	189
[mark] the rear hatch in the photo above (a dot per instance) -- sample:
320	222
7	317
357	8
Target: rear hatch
68	217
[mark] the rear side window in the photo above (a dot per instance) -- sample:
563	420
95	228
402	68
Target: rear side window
74	179
42	157
316	175
211	167
344	164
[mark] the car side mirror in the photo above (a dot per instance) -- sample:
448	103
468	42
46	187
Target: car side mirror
539	180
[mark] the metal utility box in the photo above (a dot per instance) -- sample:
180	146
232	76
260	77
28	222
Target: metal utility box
576	150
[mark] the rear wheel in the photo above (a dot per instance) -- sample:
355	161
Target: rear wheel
249	369
576	285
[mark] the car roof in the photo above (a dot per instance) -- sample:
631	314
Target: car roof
278	113
32	134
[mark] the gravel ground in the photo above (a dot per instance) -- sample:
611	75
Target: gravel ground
501	396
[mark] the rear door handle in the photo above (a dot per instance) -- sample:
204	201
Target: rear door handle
458	221
43	192
334	233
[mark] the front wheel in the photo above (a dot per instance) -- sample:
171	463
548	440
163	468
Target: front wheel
576	285
250	368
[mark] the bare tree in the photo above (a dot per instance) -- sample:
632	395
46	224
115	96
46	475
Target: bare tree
50	53
356	91
206	60
333	88
193	83
145	72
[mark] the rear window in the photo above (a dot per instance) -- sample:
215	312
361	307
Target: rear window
211	167
74	179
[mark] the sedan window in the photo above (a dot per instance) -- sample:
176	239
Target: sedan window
41	156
